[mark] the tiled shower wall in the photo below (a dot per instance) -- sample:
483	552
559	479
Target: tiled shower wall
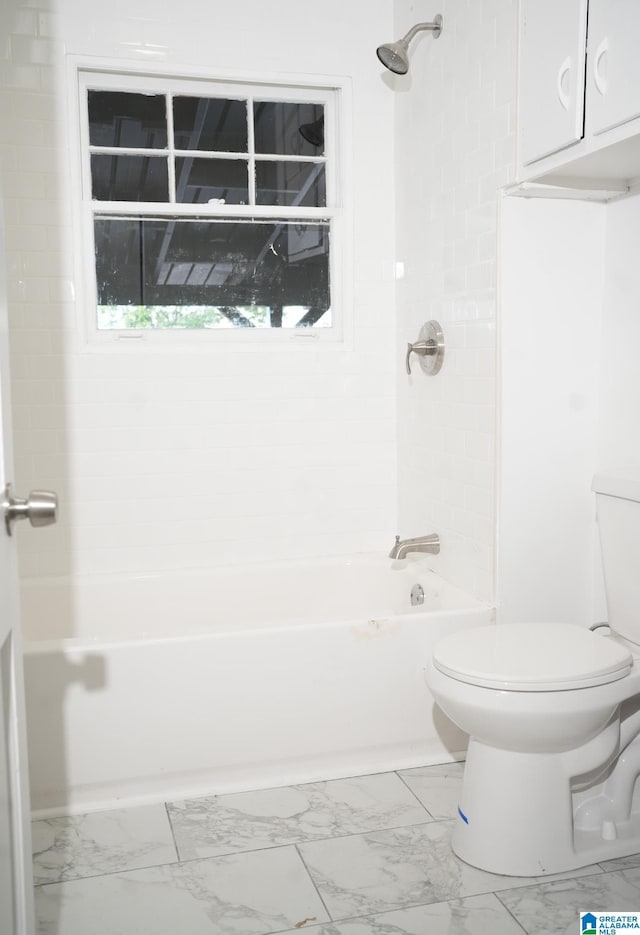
177	459
171	459
449	164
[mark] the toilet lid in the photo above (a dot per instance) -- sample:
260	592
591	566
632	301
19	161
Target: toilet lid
531	657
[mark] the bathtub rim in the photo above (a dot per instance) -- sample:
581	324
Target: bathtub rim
417	564
73	644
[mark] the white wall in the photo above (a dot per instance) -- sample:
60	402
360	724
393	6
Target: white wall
570	396
455	147
619	360
552	275
172	460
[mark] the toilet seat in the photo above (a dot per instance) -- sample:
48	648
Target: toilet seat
532	657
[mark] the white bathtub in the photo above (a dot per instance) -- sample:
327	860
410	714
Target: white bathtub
157	687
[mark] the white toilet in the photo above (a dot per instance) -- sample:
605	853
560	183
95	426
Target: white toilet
553	715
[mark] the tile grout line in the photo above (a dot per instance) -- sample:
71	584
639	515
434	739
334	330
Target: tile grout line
517	921
173	834
414	794
366	916
108	873
313	883
302	785
318	840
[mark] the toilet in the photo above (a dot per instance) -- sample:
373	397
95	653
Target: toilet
553	715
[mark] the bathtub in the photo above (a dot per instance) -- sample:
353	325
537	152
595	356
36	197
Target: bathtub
142	689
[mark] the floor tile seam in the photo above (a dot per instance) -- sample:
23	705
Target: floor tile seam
175	863
108	873
367	916
294	785
507	889
171	829
313	883
331	837
510	913
414	794
542	882
428	820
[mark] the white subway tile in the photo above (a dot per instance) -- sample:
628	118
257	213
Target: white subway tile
20	76
34	50
253	432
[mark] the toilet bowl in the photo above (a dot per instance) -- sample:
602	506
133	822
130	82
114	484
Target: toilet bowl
553	715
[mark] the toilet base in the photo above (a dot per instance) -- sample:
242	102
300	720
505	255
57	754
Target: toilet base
515	815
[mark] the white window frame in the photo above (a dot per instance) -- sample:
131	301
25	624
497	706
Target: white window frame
332	93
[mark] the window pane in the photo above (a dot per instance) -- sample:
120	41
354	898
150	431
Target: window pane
290	183
129	178
118	118
210	124
289	129
211	274
200	180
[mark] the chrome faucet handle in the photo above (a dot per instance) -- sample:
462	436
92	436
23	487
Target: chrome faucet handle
429	347
418	347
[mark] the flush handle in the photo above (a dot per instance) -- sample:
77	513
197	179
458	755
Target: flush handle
40	508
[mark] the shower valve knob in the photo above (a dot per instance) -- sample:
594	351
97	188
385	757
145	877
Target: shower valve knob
419	347
39	508
429	347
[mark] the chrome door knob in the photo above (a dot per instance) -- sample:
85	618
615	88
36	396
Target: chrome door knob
39	508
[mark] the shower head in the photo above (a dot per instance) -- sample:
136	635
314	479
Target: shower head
395	55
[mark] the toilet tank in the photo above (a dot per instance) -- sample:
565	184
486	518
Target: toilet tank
618	507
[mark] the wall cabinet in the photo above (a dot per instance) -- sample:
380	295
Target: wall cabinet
552	70
579	92
613	77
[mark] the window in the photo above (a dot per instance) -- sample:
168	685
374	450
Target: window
210	206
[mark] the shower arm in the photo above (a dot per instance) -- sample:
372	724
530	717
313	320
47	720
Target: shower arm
434	27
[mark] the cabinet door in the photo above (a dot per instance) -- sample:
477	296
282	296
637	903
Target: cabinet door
613	80
552	64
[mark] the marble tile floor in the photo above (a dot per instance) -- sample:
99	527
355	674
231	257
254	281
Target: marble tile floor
363	856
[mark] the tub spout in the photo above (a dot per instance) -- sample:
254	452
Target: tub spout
402	547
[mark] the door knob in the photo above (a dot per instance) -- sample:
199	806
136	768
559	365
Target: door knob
39	508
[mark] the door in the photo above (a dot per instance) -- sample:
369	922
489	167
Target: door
16	907
553	38
613	82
